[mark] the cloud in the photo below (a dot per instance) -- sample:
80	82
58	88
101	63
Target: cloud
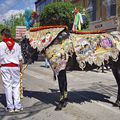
7	5
29	3
7	15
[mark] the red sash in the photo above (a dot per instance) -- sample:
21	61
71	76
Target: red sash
9	42
9	65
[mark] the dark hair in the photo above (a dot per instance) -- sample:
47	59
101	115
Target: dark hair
6	32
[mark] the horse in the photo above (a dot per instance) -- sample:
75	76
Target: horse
73	51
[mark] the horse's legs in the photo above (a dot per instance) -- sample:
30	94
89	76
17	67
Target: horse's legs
116	73
62	81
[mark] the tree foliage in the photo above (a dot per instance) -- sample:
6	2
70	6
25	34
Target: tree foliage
16	21
1	27
12	22
58	13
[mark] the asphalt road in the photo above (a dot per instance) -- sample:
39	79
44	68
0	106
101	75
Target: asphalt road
91	95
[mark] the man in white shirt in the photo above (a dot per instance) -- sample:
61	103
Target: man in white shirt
11	66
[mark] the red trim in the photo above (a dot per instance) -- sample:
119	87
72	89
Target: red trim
89	32
47	27
9	65
64	26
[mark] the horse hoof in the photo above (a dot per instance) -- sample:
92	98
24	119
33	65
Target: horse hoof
117	103
58	107
64	104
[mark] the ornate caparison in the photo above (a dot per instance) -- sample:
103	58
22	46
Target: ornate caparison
90	47
41	37
94	48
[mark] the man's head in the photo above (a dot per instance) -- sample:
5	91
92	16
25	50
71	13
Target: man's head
5	33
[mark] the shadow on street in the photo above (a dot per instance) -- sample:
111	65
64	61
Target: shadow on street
47	100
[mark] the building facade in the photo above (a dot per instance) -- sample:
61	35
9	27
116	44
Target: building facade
104	14
118	14
40	4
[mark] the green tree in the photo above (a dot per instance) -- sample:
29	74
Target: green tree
1	27
58	13
15	20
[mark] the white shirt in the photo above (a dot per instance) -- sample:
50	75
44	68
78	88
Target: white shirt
7	56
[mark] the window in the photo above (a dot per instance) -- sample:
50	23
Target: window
92	9
111	7
40	5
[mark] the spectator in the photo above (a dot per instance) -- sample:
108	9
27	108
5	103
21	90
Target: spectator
47	65
11	66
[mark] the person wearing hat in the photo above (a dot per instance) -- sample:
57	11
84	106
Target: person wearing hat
11	66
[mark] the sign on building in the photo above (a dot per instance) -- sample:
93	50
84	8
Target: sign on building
20	32
110	24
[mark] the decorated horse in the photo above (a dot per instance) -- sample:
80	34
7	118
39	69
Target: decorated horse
86	50
76	50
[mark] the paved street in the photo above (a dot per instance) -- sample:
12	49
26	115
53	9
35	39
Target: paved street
91	95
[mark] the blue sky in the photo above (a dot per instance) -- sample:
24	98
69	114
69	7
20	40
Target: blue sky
8	7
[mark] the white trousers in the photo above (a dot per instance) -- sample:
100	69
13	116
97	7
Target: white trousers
11	82
46	63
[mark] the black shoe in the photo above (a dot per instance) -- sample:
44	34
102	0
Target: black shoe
47	66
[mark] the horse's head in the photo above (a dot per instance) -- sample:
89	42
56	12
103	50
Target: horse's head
62	35
29	54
